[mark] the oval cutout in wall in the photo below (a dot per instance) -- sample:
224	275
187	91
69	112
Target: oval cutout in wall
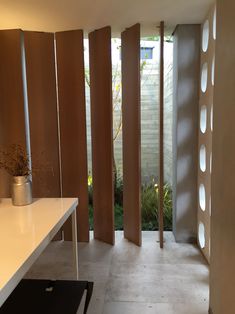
202	197
214	25
201	235
203	119
212	118
204	75
211	163
213	71
202	158
205	36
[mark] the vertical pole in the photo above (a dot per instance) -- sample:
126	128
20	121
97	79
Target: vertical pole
161	156
75	244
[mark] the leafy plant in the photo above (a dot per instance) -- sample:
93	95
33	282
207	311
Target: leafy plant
90	190
118	217
149	200
15	160
118	191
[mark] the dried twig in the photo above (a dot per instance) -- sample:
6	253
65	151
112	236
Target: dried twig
15	160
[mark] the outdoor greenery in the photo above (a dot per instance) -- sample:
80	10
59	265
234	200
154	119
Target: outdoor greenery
149	200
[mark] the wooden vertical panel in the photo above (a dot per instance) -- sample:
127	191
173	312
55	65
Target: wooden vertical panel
12	120
131	133
42	104
102	133
161	140
72	112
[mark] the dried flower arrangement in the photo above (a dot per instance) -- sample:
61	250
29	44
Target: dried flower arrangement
15	160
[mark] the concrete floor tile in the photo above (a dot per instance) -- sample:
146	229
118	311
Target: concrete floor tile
154	308
130	279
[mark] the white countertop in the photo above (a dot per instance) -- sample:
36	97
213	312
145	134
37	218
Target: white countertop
24	233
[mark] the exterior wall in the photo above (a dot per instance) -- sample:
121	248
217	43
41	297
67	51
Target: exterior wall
185	131
222	270
149	111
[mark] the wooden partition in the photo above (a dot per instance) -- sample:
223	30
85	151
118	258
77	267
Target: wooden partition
12	120
72	113
42	104
102	133
131	133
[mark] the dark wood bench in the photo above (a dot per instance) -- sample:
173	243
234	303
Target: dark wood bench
47	297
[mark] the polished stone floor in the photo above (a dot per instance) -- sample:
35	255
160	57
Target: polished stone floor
132	280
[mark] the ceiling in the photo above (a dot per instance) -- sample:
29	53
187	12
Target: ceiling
57	15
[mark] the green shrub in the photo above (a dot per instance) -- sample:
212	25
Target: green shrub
149	201
90	190
91	217
149	208
118	217
118	192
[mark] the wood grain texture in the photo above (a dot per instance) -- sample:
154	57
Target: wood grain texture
102	133
131	133
72	114
161	138
42	104
12	120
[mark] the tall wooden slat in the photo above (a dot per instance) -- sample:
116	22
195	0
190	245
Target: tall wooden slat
12	120
131	133
72	113
42	104
102	133
161	140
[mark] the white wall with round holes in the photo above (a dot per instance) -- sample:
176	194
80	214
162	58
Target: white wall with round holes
204	77
207	81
